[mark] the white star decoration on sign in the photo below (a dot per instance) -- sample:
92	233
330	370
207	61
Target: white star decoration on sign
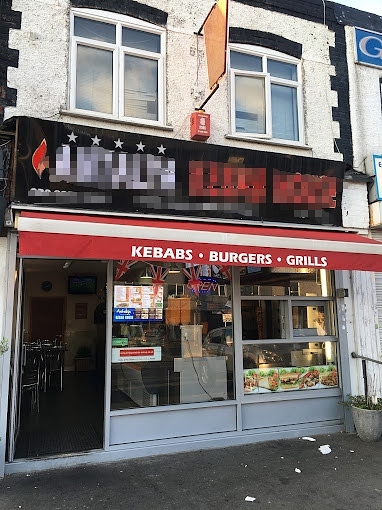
96	140
118	143
72	137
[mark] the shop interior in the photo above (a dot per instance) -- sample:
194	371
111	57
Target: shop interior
61	385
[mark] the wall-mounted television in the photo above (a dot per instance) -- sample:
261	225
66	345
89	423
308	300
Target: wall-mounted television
82	284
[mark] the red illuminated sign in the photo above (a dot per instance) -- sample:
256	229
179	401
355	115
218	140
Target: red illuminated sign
136	352
210	179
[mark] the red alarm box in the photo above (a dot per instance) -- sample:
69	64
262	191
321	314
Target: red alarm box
200	126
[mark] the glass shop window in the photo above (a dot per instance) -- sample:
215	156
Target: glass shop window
172	339
288	329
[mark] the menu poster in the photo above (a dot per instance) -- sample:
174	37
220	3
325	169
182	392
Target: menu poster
138	302
138	296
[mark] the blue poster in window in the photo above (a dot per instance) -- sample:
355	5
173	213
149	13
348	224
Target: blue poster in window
137	314
368	47
123	314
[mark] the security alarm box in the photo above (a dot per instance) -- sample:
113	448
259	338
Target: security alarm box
200	126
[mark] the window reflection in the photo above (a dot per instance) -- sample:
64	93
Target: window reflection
96	30
172	339
141	40
250	104
263	319
117	68
312	319
275	281
141	96
94	79
294	309
288	354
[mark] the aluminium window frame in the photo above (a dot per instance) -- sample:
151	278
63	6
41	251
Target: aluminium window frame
297	301
266	54
291	340
119	52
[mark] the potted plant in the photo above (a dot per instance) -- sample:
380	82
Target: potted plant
367	416
82	359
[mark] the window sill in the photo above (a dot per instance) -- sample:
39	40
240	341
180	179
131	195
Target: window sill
265	141
114	120
291	395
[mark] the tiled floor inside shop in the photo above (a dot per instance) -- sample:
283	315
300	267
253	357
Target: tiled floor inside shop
67	421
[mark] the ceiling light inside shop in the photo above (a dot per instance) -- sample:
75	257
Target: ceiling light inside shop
173	269
146	275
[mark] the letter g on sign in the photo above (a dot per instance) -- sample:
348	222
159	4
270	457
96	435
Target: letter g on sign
371	46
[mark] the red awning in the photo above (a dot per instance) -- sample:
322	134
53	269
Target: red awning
77	236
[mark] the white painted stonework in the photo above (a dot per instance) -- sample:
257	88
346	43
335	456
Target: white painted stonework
355	210
43	42
366	124
366	333
365	103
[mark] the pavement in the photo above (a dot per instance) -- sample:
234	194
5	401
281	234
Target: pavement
334	472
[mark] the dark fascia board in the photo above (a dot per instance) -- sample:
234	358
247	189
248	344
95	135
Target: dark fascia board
130	8
318	11
348	16
266	40
311	10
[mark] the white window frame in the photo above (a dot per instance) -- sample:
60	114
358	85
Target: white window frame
119	53
264	54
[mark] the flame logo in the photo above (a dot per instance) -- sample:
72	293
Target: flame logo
38	157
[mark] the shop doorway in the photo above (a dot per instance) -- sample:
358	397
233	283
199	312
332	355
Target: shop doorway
60	401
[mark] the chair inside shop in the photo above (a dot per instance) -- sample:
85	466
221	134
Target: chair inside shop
53	365
31	374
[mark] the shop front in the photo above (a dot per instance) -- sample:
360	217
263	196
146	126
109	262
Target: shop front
244	346
204	329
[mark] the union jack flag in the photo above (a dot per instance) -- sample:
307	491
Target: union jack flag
225	271
122	267
194	281
159	274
